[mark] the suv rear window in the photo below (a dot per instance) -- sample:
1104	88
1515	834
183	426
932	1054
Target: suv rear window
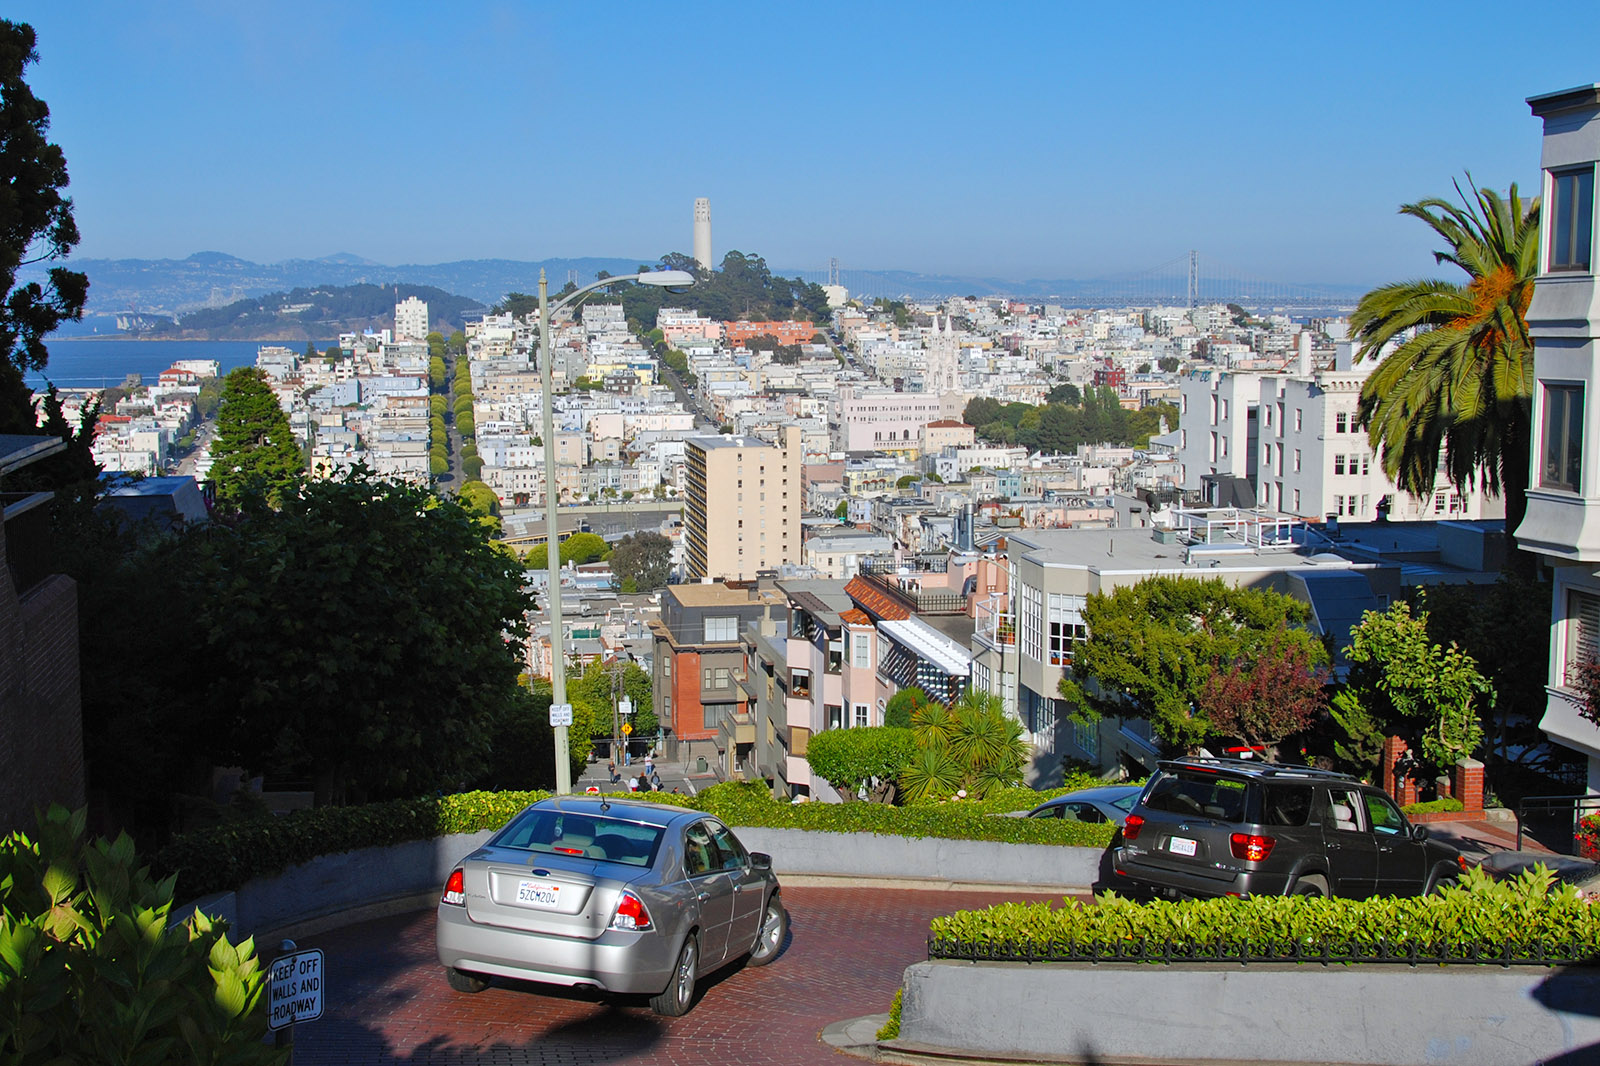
1287	805
1186	792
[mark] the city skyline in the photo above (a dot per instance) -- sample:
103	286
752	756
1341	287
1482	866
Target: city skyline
1054	142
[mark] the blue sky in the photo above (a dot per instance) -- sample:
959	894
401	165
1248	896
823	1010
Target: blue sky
1021	140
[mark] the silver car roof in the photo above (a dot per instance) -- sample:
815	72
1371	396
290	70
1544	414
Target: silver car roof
659	814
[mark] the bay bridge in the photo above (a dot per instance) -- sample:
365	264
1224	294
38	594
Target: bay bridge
1187	280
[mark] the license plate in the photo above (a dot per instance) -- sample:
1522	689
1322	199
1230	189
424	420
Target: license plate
538	894
1181	846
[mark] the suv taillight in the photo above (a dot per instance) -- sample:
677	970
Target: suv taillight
455	889
1250	847
631	914
1130	828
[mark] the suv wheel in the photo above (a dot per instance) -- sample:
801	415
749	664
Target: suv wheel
1311	885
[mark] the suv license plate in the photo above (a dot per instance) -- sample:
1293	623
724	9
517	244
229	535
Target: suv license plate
539	893
1181	846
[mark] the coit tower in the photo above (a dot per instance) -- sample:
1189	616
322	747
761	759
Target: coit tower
702	232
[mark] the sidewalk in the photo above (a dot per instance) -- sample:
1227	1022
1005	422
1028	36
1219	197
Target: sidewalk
1493	845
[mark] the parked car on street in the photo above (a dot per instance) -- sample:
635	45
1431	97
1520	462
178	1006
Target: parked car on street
1215	827
1109	803
623	896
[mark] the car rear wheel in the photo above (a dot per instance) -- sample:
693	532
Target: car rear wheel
679	995
774	927
1311	885
462	981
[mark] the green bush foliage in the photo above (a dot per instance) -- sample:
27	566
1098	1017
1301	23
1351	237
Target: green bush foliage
891	1028
229	855
1477	913
1444	803
868	758
93	969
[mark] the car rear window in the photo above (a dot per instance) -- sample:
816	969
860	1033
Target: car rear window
1188	793
588	836
1286	805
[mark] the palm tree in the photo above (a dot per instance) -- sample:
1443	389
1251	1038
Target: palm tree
1461	376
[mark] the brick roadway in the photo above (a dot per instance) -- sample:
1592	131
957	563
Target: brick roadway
387	1002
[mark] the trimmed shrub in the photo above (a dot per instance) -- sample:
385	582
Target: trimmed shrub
226	856
1444	803
1477	919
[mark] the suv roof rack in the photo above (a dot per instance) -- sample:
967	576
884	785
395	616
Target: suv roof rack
1257	768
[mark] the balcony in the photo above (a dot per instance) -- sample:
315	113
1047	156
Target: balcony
916	599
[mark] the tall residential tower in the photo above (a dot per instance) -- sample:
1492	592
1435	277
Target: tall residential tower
702	232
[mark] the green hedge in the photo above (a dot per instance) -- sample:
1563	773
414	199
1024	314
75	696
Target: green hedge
1445	803
1525	919
218	859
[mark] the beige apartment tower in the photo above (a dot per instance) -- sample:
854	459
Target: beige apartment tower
743	507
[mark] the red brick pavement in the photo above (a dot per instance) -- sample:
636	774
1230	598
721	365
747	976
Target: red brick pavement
387	1002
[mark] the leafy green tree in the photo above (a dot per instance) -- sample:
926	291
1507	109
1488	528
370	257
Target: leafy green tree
94	968
905	481
1066	393
1404	684
863	760
438	465
1152	646
1460	380
980	411
457	344
842	511
897	712
522	743
1169	363
479	498
583	548
644	556
471	466
436	375
437	406
35	225
599	682
255	454
363	636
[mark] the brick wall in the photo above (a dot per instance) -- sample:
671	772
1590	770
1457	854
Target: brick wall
41	717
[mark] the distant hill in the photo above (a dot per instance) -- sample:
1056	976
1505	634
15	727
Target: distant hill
312	314
151	289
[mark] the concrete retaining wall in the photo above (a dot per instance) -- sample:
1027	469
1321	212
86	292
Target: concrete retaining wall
1374	1014
347	887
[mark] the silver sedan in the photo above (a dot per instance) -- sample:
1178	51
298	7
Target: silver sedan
619	895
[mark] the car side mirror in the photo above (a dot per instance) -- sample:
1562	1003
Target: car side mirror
760	860
1419	832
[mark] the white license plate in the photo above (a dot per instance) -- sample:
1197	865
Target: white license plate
538	893
1180	846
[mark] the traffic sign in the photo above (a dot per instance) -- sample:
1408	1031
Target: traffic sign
560	714
625	706
295	991
627	727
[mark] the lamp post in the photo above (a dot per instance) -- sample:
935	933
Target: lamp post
671	279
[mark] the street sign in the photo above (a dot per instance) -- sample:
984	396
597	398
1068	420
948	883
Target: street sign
295	991
625	707
560	714
627	727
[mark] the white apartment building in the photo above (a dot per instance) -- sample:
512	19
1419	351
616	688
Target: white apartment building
1563	517
411	319
881	420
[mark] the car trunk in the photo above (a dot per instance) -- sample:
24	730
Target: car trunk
1187	846
540	893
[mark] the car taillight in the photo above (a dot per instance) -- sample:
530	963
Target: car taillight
1250	847
631	914
455	889
1130	828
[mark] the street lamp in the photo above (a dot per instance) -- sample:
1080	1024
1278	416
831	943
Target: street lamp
667	279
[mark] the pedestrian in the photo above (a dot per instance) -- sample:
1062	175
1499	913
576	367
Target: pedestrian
644	783
633	785
611	770
649	763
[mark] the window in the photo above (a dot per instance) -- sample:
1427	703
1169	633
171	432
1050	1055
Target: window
1563	437
719	678
800	683
1086	736
1583	634
860	650
1572	221
720	630
862	713
835	656
1066	627
1338	461
835	715
1438	503
1032	622
1297	460
1299	420
1341	422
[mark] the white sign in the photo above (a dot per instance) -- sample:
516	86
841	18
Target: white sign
560	714
296	988
625	706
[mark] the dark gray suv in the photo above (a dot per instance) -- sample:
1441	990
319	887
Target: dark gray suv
1227	827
